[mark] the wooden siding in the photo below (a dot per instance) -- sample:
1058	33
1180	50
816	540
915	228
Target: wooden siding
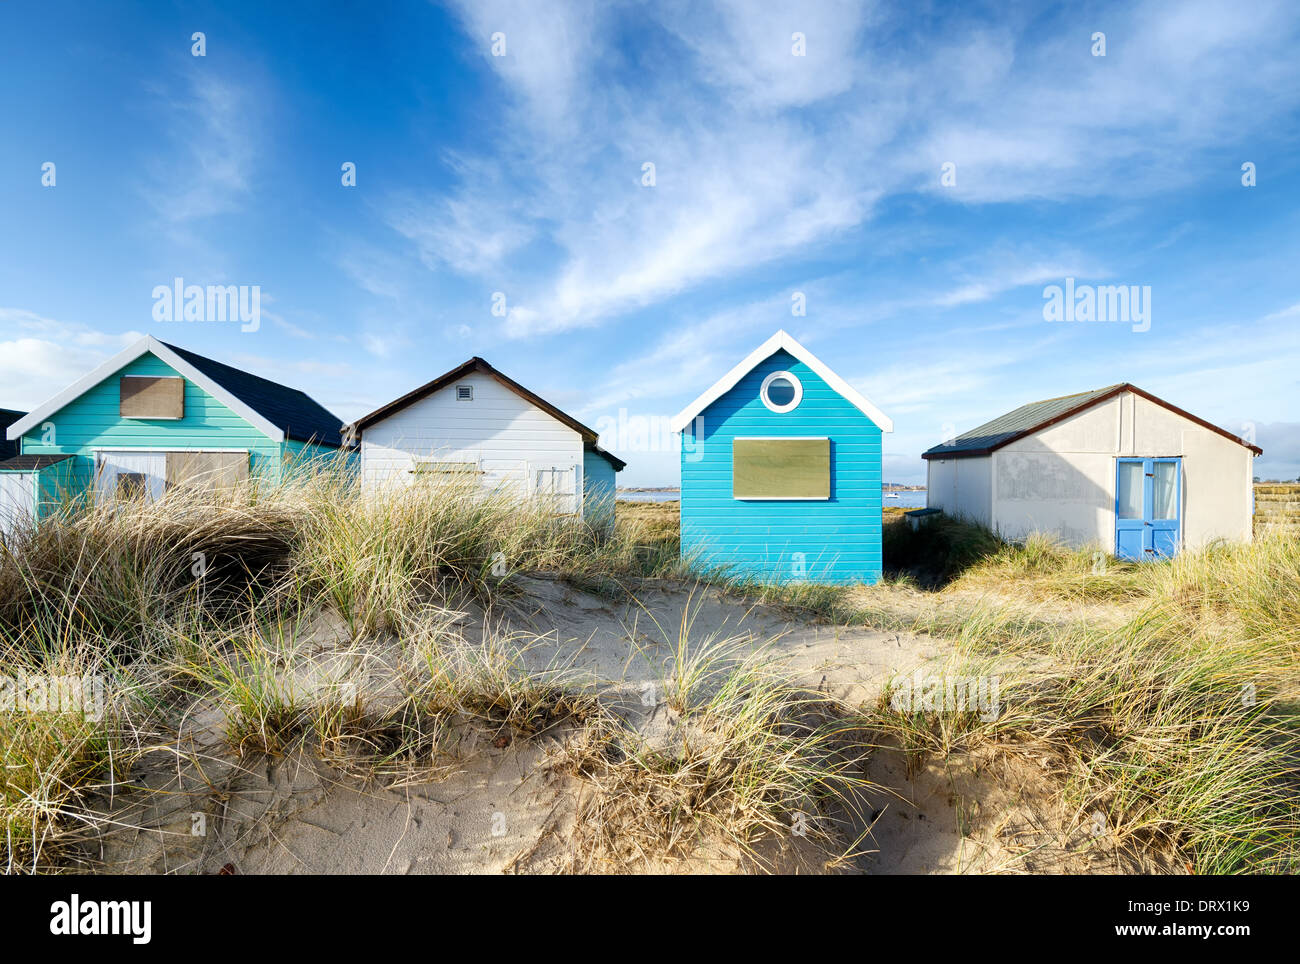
499	430
839	537
59	484
310	457
91	422
598	481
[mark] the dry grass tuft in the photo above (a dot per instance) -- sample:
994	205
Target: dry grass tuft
756	765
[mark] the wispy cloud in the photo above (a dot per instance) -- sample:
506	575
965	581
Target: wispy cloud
545	52
694	353
208	167
47	355
752	165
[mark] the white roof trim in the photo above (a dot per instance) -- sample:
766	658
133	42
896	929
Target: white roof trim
147	344
781	340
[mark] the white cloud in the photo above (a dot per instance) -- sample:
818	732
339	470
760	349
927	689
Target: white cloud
761	155
472	233
697	353
548	46
209	167
47	356
749	49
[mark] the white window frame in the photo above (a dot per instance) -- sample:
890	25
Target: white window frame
789	406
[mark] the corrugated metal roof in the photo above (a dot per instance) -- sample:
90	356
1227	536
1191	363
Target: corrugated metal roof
297	413
30	463
1036	415
1013	424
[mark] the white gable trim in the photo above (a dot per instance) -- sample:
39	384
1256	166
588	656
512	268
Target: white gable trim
147	344
781	340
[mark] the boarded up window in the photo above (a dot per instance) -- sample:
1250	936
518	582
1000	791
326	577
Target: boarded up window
446	469
206	470
781	468
152	397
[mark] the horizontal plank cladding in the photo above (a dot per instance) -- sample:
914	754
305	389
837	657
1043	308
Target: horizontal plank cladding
93	421
836	539
506	435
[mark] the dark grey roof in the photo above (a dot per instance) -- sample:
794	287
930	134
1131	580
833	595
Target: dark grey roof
1036	415
297	413
7	417
1014	424
29	463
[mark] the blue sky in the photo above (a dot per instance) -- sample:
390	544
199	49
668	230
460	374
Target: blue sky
774	174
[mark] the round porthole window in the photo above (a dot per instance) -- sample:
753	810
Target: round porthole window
781	392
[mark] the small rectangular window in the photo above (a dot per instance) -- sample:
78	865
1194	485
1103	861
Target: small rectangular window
464	393
781	468
149	397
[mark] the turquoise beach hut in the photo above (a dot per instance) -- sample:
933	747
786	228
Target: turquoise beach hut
155	416
781	471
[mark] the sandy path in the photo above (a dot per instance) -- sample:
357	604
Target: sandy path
633	643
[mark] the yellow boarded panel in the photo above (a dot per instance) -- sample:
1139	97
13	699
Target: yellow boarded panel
152	397
781	468
206	470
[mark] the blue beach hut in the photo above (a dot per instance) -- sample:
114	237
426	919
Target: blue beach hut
781	471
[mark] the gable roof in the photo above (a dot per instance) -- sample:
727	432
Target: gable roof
781	340
277	411
476	364
1028	419
301	416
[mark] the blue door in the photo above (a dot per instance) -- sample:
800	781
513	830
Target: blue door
1148	500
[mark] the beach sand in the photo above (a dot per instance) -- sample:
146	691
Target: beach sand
503	806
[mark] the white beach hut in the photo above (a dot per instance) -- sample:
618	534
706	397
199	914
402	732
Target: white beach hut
476	420
1116	468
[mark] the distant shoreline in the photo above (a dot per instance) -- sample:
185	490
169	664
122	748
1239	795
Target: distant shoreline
887	487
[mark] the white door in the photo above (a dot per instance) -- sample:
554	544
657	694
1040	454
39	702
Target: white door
17	499
122	474
558	484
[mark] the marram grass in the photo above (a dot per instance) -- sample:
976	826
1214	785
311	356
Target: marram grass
1176	719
